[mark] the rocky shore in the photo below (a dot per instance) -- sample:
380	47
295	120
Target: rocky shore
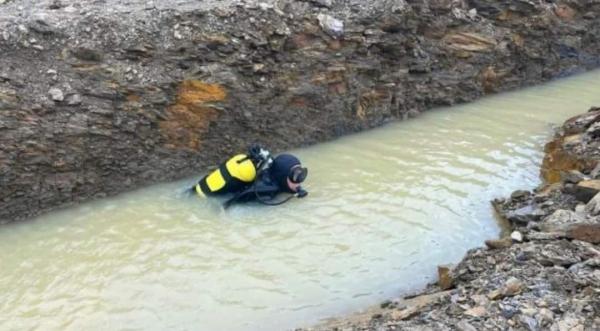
543	275
100	97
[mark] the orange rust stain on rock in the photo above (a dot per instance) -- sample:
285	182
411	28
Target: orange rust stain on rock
569	148
489	79
518	40
335	45
188	119
369	100
133	98
505	15
298	102
555	161
194	93
333	75
558	160
300	41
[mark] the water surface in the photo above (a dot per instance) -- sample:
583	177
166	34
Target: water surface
385	207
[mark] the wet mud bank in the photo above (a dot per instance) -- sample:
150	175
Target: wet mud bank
543	275
97	98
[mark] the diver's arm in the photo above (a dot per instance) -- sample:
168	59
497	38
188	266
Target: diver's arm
254	191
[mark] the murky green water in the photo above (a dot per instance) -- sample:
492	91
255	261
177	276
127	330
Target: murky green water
385	207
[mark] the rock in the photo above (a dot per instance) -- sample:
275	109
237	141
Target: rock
554	254
520	194
569	324
386	304
524	215
508	311
584	232
332	26
135	52
585	190
56	94
376	316
580	210
580	123
572	176
41	26
405	313
565	12
56	4
569	150
529	322
177	35
265	6
478	311
499	243
595	173
87	54
516	236
469	42
557	221
480	300
446	281
74	99
472	13
545	317
512	287
528	311
593	206
495	294
463	325
419	66
489	79
593	132
323	3
543	236
589	15
398	6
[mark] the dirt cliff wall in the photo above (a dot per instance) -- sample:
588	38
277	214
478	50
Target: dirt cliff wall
99	97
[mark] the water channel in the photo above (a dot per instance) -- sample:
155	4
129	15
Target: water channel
385	208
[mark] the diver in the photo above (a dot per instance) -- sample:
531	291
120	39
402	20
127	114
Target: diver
255	176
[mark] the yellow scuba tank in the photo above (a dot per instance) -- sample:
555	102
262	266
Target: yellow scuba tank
230	177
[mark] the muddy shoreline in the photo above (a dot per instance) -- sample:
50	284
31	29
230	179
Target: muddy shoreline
97	98
544	274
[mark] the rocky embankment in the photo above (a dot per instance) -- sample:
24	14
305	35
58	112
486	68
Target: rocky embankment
544	275
99	97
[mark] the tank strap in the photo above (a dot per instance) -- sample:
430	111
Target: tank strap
200	190
204	187
225	173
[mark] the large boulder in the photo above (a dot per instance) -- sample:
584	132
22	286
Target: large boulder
574	147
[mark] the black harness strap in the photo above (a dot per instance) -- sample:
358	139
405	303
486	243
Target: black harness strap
204	187
225	173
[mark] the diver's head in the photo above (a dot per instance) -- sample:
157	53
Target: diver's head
288	172
296	176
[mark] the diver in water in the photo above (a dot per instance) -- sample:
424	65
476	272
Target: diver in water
255	176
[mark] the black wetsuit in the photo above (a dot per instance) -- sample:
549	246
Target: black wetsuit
263	188
269	183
